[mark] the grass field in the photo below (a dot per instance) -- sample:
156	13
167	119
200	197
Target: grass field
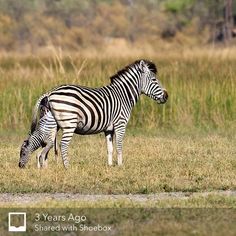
152	163
202	88
186	145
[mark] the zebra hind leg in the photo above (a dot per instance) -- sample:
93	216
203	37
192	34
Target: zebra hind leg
67	135
55	150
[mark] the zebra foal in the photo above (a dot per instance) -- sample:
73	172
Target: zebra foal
42	135
84	110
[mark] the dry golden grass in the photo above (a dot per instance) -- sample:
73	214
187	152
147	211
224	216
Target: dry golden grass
201	86
185	145
152	163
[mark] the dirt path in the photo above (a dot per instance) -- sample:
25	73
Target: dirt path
39	197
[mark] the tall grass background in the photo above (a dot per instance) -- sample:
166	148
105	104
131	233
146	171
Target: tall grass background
201	87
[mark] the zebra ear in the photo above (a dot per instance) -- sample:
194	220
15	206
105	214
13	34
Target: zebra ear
142	65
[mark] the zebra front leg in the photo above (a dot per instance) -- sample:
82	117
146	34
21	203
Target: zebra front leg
65	141
43	158
120	133
38	160
109	138
45	162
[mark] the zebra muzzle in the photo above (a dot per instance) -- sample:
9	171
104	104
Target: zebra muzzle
165	95
21	165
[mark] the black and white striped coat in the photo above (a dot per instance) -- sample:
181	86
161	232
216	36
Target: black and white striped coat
84	110
44	135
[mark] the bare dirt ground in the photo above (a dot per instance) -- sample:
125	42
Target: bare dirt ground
39	197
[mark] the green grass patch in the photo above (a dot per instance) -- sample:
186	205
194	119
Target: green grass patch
202	89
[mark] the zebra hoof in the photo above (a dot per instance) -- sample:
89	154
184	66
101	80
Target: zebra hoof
66	166
21	165
120	163
45	165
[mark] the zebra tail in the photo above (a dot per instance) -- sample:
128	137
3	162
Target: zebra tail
35	113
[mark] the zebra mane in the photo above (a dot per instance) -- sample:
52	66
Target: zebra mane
152	67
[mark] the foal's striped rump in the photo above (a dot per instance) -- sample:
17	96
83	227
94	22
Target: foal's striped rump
43	135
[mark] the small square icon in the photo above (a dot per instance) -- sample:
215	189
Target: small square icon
16	221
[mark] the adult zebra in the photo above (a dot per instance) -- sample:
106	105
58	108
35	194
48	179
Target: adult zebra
84	110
